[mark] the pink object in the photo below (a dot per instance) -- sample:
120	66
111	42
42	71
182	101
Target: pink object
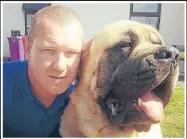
25	43
21	48
14	48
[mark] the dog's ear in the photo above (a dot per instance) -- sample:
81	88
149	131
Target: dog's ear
84	58
85	50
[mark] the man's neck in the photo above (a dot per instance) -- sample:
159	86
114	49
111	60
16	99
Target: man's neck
45	97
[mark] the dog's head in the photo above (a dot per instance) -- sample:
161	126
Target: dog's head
133	71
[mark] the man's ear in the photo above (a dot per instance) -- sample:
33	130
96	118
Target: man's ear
85	50
27	46
84	59
85	54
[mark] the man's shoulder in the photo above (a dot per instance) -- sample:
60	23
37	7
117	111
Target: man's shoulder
13	67
13	72
17	64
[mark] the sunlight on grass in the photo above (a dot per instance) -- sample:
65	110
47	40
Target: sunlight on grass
181	55
173	122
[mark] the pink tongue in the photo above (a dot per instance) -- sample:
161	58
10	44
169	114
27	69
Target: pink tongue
152	106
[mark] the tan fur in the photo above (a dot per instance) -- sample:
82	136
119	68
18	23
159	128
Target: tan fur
83	109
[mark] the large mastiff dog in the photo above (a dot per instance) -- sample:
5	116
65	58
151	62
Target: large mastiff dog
127	76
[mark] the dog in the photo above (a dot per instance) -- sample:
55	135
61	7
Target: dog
127	76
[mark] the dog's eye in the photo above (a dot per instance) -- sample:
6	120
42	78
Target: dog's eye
124	44
127	44
121	46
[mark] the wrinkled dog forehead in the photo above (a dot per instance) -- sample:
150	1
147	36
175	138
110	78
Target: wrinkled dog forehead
125	31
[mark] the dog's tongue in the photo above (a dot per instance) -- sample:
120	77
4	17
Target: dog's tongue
152	106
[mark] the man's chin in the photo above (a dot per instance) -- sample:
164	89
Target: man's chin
56	90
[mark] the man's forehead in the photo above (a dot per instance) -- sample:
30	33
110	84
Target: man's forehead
54	27
55	35
58	42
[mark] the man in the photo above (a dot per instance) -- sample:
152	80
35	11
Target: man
36	91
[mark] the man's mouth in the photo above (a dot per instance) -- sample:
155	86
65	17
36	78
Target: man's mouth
57	77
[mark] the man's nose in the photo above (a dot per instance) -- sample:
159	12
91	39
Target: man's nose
60	63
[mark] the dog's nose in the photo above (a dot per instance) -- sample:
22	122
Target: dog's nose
168	52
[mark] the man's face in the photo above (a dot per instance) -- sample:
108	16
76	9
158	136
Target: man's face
54	55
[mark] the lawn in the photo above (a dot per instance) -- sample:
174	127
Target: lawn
173	122
181	55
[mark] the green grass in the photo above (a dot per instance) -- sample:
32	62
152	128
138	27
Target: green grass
181	55
173	121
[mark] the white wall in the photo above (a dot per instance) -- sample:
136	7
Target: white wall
95	16
172	23
13	19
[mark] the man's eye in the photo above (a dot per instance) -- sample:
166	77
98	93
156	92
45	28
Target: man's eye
71	52
49	50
